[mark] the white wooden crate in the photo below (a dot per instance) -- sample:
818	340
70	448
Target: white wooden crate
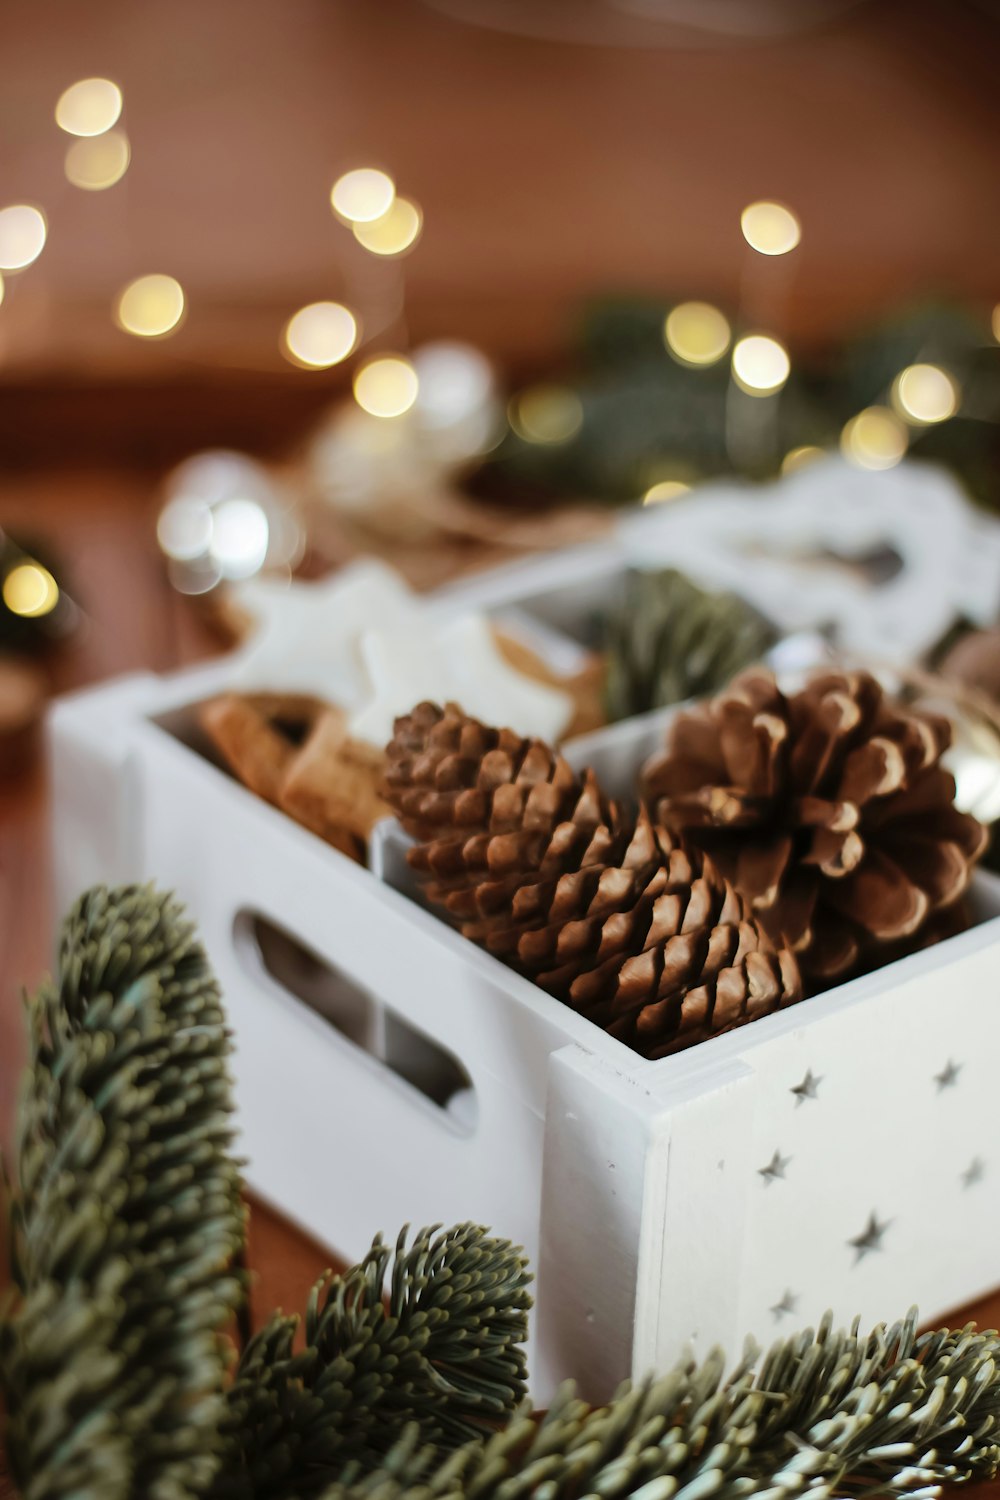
638	1188
389	1071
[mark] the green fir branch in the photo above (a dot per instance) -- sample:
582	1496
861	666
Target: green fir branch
443	1351
831	1413
669	640
127	1213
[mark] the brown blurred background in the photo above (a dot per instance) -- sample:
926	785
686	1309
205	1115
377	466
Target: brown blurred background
546	169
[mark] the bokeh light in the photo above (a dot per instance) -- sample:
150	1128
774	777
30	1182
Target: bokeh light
363	195
665	489
394	232
22	236
696	333
151	306
184	529
456	381
925	394
98	162
239	538
546	414
760	364
320	335
770	228
30	590
386	386
874	439
800	458
89	107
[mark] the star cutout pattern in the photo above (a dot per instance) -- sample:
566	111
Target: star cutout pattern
870	1238
786	1307
807	1089
974	1172
775	1168
948	1076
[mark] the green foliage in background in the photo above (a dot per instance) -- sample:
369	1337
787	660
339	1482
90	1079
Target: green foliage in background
668	640
126	1223
647	418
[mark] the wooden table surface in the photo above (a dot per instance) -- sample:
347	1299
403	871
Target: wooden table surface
103	526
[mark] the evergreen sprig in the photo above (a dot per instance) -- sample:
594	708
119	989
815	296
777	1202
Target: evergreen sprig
669	640
444	1352
127	1213
831	1413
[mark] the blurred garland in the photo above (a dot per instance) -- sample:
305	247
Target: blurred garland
642	417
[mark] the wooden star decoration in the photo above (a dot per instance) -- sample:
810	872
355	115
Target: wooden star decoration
457	661
807	1089
364	641
305	635
775	1168
948	1076
870	1238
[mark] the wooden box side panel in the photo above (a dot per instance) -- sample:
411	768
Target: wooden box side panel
868	1150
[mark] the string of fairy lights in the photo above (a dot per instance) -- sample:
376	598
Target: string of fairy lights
153	306
698	335
386	383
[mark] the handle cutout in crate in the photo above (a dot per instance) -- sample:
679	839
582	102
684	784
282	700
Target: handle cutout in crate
359	1016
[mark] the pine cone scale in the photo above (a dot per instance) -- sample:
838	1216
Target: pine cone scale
835	854
880	895
873	770
760	868
939	868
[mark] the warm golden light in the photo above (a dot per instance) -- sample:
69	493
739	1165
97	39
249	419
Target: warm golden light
396	231
925	394
89	107
1	291
98	162
320	335
696	333
362	195
874	439
995	322
386	386
665	489
798	458
30	590
151	306
22	236
760	364
546	414
770	228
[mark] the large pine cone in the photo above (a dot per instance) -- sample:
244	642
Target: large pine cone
609	913
827	809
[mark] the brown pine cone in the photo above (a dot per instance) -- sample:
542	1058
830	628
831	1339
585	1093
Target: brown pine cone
609	913
828	810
